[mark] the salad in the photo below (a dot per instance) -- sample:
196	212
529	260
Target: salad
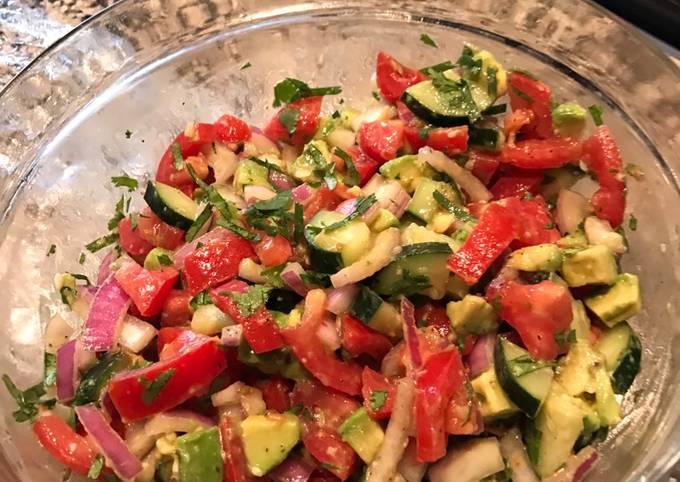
415	290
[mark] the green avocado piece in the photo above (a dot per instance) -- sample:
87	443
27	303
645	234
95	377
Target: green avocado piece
592	265
542	257
315	157
423	204
158	258
267	440
385	219
472	315
250	173
493	402
619	302
569	119
363	434
577	239
406	169
200	456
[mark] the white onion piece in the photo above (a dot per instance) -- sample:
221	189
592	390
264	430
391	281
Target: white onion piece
384	465
516	457
378	112
409	467
379	256
340	299
342	138
222	160
232	335
227	193
84	358
183	421
136	334
392	364
328	334
469	461
251	271
258	145
576	467
599	231
238	393
289	154
57	332
467	181
67	371
571	209
138	441
253	193
373	184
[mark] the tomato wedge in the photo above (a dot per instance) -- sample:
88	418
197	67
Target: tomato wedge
275	393
176	310
536	226
188	146
381	140
273	250
358	339
158	233
328	448
483	165
517	184
364	165
131	241
542	153
393	78
533	95
308	110
230	129
70	449
378	392
147	289
328	407
235	464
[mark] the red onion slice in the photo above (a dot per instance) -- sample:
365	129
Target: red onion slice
105	267
280	181
109	307
411	333
232	335
516	457
481	356
293	469
302	193
136	334
291	276
340	299
122	461
67	371
177	421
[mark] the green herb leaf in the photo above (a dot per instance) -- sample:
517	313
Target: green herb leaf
198	223
125	181
128	133
316	279
571	338
152	388
460	213
492	81
272	275
96	467
238	229
81	277
289	119
632	223
201	299
352	177
457	94
289	90
522	95
296	409
634	171
524	365
549	226
50	370
249	302
299	223
27	400
472	67
527	196
52	250
596	112
409	284
102	242
164	260
81	258
438	68
496	109
282	200
118	214
377	400
362	205
214	198
246	66
376	95
68	295
427	40
424	132
177	157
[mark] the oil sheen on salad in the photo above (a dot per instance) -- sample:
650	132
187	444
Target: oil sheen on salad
416	289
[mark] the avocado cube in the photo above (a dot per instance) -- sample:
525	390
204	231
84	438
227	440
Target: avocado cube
363	434
423	204
569	119
619	302
589	266
315	156
472	316
200	456
267	440
158	258
385	219
577	239
406	169
250	173
542	257
493	402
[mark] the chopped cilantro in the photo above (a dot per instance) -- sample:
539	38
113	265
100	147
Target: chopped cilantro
134	220
201	299
118	215
409	284
496	109
460	213
238	229
352	176
289	119
596	112
632	223
438	68
376	95
524	365
152	388
128	133
96	467
101	242
634	171
361	206
225	209
427	40
471	66
52	250
492	81
248	302
198	223
81	277
272	276
125	181
296	409
549	225
298	221
177	157
571	338
377	400
246	66
424	132
527	196
289	90
164	259
522	95
316	279
68	295
27	400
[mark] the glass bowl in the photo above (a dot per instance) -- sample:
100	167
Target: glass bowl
149	66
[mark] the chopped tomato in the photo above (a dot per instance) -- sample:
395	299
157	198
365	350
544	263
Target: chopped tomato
538	312
517	184
147	289
489	238
176	310
185	375
483	165
534	95
259	329
441	376
542	153
276	393
434	315
393	78
307	124
378	392
230	129
463	415
189	146
321	199
273	250
328	448
216	262
235	464
328	407
450	140
358	339
324	365
535	225
70	449
413	127
364	165
158	233
167	335
174	346
381	140
604	159
130	240
514	121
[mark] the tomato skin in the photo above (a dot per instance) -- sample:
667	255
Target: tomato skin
412	127
463	416
542	153
483	165
449	140
156	232
273	250
235	464
517	184
381	140
216	262
435	316
492	235
533	95
176	310
147	289
166	172
167	335
131	241
358	338
308	122
393	78
514	121
321	199
329	407
229	129
536	225
70	449
302	338
364	165
538	312
276	393
609	204
442	374
196	365
377	382
328	448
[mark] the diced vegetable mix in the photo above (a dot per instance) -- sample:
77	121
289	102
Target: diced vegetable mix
334	296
